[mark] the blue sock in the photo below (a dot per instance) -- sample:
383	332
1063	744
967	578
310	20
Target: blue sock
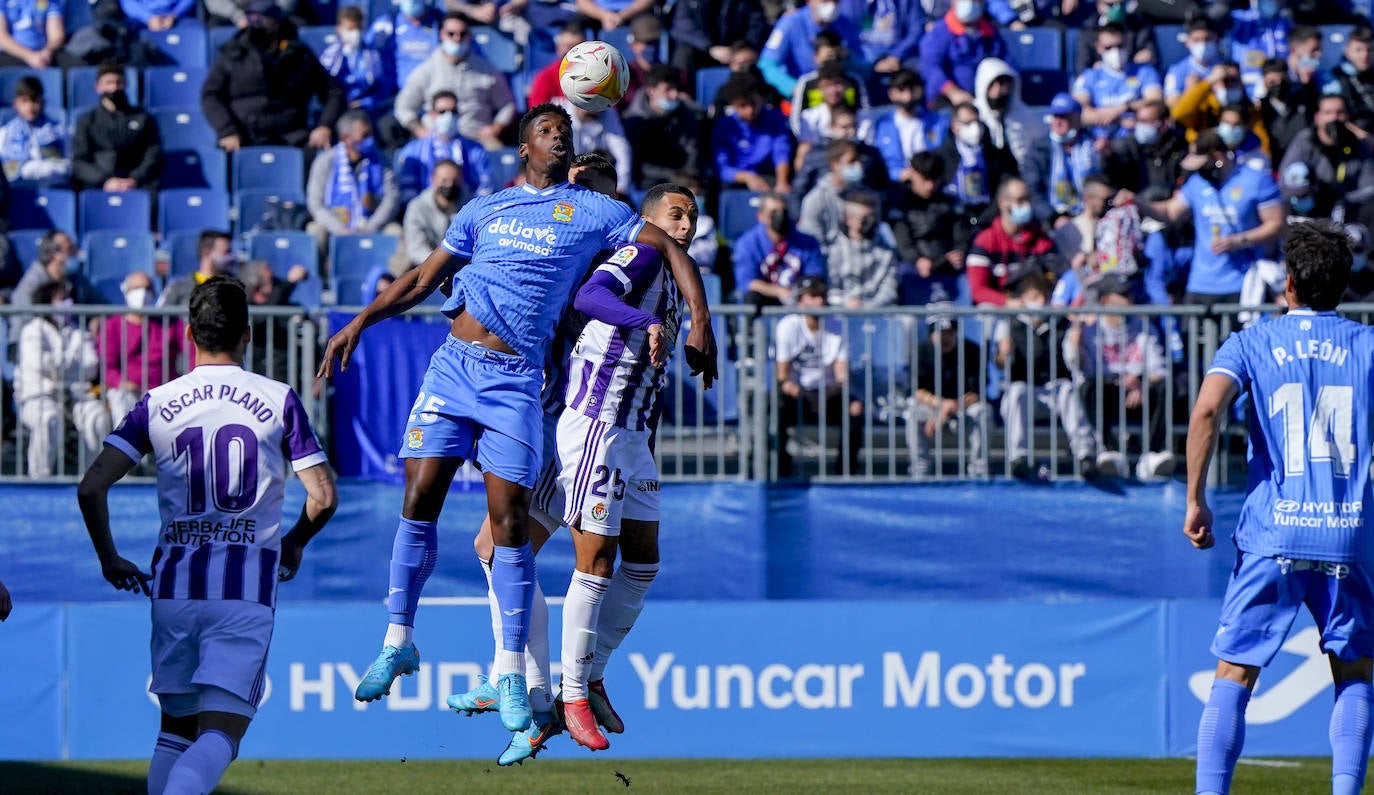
1350	735
1220	735
413	555
512	578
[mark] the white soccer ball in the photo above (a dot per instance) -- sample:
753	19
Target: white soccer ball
594	75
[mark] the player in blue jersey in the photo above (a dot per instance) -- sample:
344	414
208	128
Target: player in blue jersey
222	439
1301	539
518	256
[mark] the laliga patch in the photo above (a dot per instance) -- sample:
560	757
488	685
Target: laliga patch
563	212
599	512
415	439
624	256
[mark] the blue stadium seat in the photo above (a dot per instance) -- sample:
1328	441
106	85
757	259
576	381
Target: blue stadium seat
193	168
1169	44
251	203
173	87
739	210
497	47
505	164
1038	86
184	128
184	45
878	349
25	244
43	208
317	37
281	251
711	282
81	86
275	167
719	404
184	248
352	258
100	211
1333	45
192	209
537	57
112	255
373	10
76	15
709	81
1034	48
217	39
50	78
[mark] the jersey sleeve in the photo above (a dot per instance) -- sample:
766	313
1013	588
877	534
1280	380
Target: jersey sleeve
131	437
1230	362
630	265
461	236
298	440
623	224
1267	192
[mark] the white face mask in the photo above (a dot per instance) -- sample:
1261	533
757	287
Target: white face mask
971	134
826	12
446	123
350	38
968	11
137	297
1114	59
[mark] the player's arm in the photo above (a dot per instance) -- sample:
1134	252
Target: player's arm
602	298
406	292
1213	398
321	500
93	497
701	339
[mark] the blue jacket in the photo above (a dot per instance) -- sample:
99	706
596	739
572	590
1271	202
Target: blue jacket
753	259
888	140
790	51
142	11
951	52
403	44
896	27
415	165
363	75
744	147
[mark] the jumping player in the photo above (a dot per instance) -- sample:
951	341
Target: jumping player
222	438
518	255
1301	538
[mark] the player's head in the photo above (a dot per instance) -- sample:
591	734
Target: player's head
1319	263
219	317
546	138
672	208
593	171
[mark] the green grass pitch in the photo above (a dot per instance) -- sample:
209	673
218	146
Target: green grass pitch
936	776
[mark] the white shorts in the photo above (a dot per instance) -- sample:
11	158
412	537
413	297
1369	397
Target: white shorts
200	643
608	474
546	499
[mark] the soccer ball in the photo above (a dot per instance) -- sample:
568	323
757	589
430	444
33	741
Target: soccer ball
594	75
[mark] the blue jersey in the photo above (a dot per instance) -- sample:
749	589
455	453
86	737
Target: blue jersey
529	250
1176	76
1227	210
1104	88
28	21
1310	379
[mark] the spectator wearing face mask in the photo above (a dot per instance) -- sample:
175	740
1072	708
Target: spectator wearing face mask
1292	89
744	64
906	126
351	189
955	45
844	126
975	167
662	114
861	266
1057	174
1011	124
823	209
1113	89
848	79
773	257
216	258
928	231
116	146
1013	243
810	123
405	38
1147	161
416	160
789	52
137	351
646	34
1139	41
486	106
1203	56
428	216
1237	211
359	68
1258	33
1355	76
1200	106
1339	166
57	262
1236	129
1022	14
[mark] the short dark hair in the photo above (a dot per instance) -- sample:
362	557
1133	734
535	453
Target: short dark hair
47	291
1303	34
843	110
741	86
1098	178
109	68
219	314
28	87
1274	66
662	73
1209	141
535	112
1201	22
1363	34
906	78
861	197
838	149
438	95
452	15
832	70
596	162
657	193
1111	27
207	239
349	14
47	245
929	165
812	285
447	162
1319	260
827	38
1031	280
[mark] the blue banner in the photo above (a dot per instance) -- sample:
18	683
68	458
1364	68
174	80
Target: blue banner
31	648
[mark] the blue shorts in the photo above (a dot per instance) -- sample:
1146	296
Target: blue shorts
1265	594
472	393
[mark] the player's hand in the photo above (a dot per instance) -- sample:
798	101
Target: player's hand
1197	525
341	345
126	576
290	563
658	347
446	286
700	352
5	604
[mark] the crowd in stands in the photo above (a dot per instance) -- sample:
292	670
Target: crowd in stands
862	153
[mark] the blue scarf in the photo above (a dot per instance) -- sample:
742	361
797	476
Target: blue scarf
1069	164
361	73
971	181
352	193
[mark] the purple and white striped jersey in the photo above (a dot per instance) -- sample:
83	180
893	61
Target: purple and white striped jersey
221	438
610	376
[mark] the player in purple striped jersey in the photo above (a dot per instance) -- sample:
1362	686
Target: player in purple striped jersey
222	439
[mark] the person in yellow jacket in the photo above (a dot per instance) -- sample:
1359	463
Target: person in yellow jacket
1199	107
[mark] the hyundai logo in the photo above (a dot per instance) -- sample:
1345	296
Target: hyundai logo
1286	506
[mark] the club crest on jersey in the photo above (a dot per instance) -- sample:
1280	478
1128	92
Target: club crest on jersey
599	512
563	212
415	439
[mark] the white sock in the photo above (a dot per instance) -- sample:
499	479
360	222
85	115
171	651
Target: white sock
496	634
199	769
623	604
168	750
580	609
537	654
399	635
509	662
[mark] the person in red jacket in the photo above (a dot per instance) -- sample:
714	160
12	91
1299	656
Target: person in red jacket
1012	238
544	87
